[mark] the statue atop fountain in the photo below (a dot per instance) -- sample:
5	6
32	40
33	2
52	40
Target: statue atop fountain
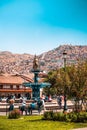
36	65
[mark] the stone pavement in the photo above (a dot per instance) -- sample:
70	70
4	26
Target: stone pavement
81	128
35	112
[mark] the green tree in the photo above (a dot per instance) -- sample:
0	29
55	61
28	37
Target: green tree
78	89
60	82
73	82
51	78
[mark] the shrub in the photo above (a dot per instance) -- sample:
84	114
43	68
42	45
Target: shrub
53	116
82	117
73	116
69	117
48	115
15	114
58	116
66	117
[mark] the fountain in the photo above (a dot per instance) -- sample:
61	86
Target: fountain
36	86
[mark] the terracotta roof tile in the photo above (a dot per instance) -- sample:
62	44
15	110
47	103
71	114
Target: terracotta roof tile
14	79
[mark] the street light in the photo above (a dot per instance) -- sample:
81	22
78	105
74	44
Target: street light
65	98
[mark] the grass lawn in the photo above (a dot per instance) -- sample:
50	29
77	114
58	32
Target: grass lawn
35	123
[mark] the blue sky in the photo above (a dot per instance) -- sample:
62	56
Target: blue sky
36	26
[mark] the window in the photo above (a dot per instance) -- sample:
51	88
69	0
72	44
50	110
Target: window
11	86
1	86
17	87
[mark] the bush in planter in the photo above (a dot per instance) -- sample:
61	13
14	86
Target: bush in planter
15	114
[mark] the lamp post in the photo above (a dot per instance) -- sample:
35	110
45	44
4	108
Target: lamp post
65	97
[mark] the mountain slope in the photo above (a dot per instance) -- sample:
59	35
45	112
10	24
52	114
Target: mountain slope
22	63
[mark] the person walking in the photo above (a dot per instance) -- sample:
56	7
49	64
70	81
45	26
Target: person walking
11	107
39	104
23	108
59	101
31	107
